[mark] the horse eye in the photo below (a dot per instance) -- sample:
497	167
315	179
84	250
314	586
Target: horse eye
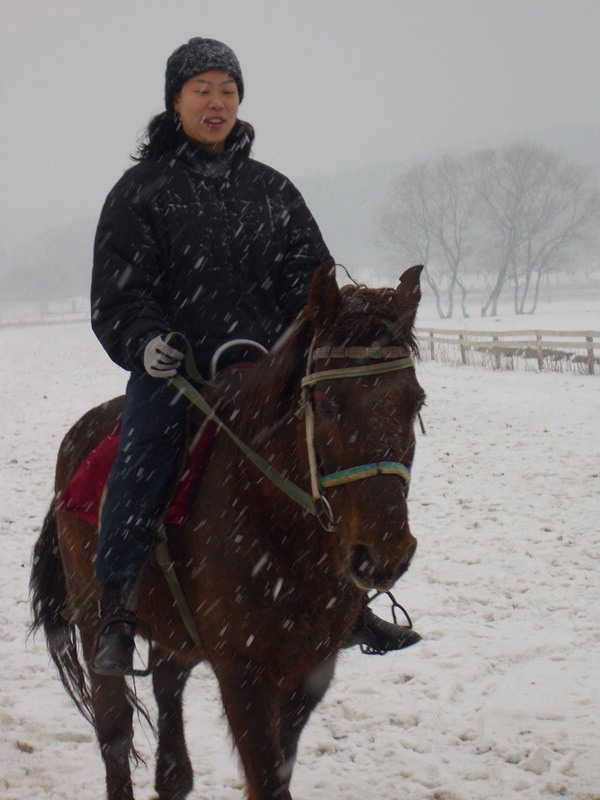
328	410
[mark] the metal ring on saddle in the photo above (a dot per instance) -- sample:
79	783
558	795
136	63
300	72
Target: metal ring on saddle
222	349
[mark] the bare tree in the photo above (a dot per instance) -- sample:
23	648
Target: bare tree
511	215
404	226
429	218
535	208
453	222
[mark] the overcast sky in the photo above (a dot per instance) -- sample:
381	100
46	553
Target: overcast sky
330	84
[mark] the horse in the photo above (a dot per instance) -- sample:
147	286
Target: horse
274	590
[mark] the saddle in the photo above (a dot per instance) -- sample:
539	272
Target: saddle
83	495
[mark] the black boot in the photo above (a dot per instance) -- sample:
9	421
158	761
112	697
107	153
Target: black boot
115	645
377	637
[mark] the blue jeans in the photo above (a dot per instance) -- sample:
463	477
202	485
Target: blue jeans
150	446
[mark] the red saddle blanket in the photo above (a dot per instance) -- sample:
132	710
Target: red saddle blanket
84	492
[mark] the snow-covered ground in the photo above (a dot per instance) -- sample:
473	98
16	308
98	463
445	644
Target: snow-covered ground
580	314
500	700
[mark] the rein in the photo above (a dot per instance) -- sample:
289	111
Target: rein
315	503
285	484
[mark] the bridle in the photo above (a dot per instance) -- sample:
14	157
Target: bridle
316	503
318	483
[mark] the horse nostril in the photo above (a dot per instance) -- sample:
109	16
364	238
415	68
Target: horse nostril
362	562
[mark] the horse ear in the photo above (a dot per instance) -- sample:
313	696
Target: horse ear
408	295
324	296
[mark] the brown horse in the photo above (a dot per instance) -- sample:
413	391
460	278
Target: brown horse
274	593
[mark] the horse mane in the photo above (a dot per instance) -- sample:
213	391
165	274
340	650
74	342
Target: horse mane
371	315
269	390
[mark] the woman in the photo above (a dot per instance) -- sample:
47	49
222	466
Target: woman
200	239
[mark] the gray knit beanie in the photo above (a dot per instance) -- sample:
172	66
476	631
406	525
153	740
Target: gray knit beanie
200	55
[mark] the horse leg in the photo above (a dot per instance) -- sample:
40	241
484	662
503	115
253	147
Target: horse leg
253	711
113	716
113	720
297	707
174	774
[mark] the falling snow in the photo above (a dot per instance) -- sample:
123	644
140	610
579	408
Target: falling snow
501	699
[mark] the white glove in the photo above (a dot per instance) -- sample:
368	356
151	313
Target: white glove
160	359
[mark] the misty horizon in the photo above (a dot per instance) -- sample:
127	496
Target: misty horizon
329	87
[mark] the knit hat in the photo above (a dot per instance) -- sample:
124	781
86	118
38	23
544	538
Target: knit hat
200	55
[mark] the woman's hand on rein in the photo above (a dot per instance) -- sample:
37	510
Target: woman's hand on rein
160	359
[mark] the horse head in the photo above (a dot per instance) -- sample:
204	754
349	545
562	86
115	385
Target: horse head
363	398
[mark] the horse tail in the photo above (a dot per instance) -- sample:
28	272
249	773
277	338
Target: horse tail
48	598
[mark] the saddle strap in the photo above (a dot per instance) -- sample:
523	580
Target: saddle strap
164	560
75	610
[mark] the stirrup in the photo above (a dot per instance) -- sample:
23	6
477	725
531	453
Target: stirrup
373	651
136	623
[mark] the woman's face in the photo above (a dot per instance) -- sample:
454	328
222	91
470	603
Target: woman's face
207	104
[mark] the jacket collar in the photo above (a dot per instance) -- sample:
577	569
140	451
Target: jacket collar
237	147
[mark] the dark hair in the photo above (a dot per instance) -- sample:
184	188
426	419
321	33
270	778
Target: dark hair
163	136
160	137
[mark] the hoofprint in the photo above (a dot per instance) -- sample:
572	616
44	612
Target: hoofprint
501	699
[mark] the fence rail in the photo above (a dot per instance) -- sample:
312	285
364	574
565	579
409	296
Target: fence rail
47	319
573	351
548	349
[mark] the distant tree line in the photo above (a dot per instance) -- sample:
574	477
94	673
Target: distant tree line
55	265
499	220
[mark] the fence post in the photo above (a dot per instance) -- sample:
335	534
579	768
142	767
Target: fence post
496	351
540	352
590	354
463	352
431	346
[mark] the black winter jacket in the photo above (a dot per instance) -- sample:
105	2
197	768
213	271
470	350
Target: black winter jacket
214	246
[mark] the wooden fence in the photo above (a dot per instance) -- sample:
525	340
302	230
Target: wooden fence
572	351
47	319
559	351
